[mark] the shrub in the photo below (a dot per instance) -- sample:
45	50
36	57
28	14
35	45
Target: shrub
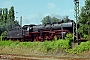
3	35
54	45
80	48
69	37
85	36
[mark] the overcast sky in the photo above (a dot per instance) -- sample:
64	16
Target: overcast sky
33	11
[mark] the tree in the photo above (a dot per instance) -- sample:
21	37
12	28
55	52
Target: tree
50	20
46	20
5	15
84	18
11	14
7	19
1	16
54	19
65	18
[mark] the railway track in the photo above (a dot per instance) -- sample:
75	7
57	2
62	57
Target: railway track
36	57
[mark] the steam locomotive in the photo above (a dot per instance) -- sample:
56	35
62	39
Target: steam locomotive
40	32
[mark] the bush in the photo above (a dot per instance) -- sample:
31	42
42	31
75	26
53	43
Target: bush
85	36
80	48
69	37
4	34
54	45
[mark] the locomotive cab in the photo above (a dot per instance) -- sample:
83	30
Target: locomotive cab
15	33
26	29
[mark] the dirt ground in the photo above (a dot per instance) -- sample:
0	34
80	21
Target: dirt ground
25	57
7	53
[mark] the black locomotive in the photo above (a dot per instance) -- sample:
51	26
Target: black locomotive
40	32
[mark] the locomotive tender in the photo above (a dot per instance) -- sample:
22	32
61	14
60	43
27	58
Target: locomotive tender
40	32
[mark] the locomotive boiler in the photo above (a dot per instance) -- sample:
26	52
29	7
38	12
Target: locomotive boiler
40	32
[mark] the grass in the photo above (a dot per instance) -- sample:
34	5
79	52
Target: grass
48	46
84	46
54	45
40	46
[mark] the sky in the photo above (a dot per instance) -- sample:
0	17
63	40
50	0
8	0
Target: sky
33	11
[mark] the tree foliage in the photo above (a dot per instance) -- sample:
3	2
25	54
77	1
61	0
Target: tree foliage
65	19
84	18
7	19
49	19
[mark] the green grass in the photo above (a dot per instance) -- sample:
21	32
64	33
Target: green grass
48	46
54	45
5	43
80	48
40	46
